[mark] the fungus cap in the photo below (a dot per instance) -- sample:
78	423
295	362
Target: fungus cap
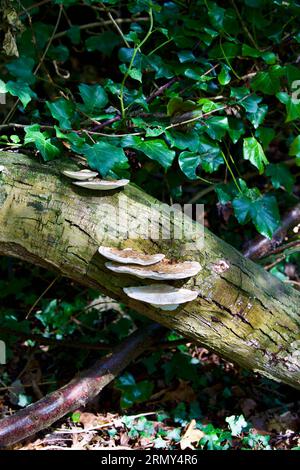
129	256
161	296
102	185
162	271
80	175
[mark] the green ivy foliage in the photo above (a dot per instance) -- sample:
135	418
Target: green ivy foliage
202	93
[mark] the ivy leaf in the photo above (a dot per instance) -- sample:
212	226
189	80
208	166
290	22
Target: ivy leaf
183	140
104	42
155	149
261	210
42	142
254	152
295	148
224	76
236	424
236	129
280	176
103	157
268	82
292	106
211	162
189	162
265	135
211	155
258	117
22	69
94	98
217	127
19	89
63	111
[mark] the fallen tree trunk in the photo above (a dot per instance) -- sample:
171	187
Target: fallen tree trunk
243	313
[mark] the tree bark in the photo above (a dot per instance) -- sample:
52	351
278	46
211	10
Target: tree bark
242	312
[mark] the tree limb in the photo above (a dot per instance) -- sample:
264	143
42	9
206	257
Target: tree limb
262	246
242	313
79	391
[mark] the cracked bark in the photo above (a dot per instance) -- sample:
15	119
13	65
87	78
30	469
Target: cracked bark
243	313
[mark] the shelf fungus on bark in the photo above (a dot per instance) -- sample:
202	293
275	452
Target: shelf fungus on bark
129	256
163	271
81	175
102	185
161	296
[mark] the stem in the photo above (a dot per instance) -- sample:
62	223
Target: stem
135	51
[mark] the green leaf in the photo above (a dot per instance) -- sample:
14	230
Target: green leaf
265	135
211	154
211	162
104	42
261	210
21	90
132	391
268	82
236	129
103	157
94	98
258	117
189	162
183	140
22	69
155	149
280	176
186	56
248	51
216	127
224	76
63	111
269	57
292	106
254	152
42	142
295	148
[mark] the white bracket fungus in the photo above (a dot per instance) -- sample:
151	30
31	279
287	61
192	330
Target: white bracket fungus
102	185
162	271
161	296
129	256
81	175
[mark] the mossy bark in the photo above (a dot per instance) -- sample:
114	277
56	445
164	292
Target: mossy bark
242	312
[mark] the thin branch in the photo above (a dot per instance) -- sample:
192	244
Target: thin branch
262	246
79	391
41	296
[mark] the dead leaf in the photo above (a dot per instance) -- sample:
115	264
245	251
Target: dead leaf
191	436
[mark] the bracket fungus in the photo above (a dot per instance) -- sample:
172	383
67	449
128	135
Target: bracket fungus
81	175
161	296
162	271
102	185
129	256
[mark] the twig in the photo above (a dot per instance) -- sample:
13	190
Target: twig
115	24
79	391
262	246
41	296
95	24
161	89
